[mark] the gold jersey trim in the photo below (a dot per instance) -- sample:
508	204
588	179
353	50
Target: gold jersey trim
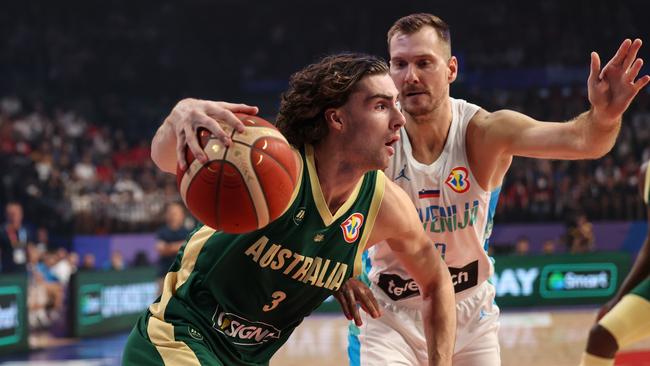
377	197
174	280
172	352
301	168
317	191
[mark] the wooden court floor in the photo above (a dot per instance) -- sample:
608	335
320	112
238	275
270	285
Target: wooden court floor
527	338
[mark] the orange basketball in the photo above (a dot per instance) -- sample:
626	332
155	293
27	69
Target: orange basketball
245	186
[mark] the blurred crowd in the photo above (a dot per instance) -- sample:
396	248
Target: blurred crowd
548	190
77	176
49	268
84	87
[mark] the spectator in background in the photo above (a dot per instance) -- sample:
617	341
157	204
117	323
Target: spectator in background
42	238
548	247
65	265
581	236
37	292
522	246
42	268
14	237
117	261
171	237
141	259
88	262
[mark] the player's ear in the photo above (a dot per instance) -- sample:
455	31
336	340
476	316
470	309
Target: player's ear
333	119
452	66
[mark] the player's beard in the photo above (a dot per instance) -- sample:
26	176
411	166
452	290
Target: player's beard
424	108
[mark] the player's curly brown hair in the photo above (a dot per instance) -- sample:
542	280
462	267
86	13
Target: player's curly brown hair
325	84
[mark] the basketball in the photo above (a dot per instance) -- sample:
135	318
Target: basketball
245	186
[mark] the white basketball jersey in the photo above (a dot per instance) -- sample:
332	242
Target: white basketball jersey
455	211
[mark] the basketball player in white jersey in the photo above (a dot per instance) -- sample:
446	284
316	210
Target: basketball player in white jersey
451	160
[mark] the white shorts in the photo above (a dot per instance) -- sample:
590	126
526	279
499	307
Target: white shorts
397	337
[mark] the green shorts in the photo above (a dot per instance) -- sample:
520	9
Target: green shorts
153	342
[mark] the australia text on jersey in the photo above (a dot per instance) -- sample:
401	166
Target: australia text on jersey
439	219
315	271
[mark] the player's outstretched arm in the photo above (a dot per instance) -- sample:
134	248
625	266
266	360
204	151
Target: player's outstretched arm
399	225
590	135
180	127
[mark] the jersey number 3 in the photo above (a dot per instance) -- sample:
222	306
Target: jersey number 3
278	297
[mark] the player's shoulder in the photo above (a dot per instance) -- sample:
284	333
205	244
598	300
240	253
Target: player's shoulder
395	201
499	124
485	118
396	214
480	124
463	105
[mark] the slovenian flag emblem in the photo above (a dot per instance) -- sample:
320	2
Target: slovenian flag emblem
429	193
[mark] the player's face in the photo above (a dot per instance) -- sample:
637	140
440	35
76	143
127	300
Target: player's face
422	70
174	215
373	122
14	214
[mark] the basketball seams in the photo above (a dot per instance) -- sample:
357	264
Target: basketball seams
250	143
258	179
188	177
215	150
240	170
245	166
233	209
258	150
220	180
250	139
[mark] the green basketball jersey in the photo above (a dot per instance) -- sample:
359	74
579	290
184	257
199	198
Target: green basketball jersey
243	295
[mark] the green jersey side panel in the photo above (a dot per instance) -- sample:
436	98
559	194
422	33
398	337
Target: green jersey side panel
246	293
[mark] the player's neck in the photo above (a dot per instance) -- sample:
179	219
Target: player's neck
428	133
13	225
337	178
175	226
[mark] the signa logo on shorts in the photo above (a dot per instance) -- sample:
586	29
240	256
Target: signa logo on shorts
243	331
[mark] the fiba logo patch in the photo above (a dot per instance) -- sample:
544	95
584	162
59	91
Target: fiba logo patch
351	227
458	180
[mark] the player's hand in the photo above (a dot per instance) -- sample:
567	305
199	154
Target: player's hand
612	89
355	292
191	114
607	307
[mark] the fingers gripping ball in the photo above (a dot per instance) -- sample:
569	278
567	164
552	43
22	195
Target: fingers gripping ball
245	186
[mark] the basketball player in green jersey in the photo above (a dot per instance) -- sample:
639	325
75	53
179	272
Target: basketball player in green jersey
625	319
235	299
